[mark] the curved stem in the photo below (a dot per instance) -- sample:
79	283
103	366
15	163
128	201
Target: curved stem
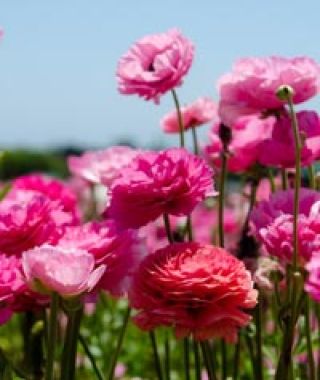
90	357
180	121
119	344
52	335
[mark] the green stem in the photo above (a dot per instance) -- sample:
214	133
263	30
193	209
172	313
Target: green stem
186	356
284	179
249	344
166	221
119	344
167	356
259	356
271	180
222	181
236	360
317	312
197	364
52	335
195	141
180	120
312	177
156	356
224	362
90	357
312	370
207	357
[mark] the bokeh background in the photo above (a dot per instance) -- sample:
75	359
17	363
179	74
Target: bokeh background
58	60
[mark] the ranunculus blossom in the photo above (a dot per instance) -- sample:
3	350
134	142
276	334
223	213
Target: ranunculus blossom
198	113
101	166
247	135
252	85
155	64
51	187
68	272
198	289
11	278
29	219
279	149
172	181
312	285
119	250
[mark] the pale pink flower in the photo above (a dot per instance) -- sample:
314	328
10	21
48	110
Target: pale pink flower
279	149
101	166
172	181
262	276
155	65
195	114
247	135
252	85
69	272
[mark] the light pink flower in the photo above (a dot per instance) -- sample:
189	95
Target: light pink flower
101	166
172	181
262	276
119	250
29	219
248	134
252	85
279	149
69	272
198	113
155	64
198	289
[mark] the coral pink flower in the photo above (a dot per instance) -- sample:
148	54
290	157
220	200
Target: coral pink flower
248	133
172	181
119	250
197	289
155	64
279	149
53	188
29	219
198	113
69	272
252	85
101	166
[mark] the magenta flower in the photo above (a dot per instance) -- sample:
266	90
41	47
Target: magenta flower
119	250
279	149
155	65
101	166
172	181
198	113
69	272
312	285
248	134
11	278
252	85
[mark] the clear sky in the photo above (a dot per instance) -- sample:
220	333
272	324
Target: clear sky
58	59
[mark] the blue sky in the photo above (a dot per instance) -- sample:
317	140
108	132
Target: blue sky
58	60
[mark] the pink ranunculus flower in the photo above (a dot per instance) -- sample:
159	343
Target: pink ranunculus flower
11	278
53	188
155	65
279	149
198	113
29	219
101	166
171	181
119	250
248	134
252	85
312	285
198	289
68	272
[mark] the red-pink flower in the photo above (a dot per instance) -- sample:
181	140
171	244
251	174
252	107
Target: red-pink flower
119	250
101	166
198	289
29	219
53	188
69	272
155	64
197	113
252	85
247	135
279	149
172	181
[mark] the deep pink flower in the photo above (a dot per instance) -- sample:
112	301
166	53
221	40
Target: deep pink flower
279	149
119	250
172	181
69	272
29	219
248	134
101	166
197	289
197	113
11	278
155	64
53	188
312	285
252	85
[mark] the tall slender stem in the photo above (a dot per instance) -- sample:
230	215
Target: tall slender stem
119	344
186	356
312	369
206	353
197	363
259	356
49	373
195	140
236	360
167	356
167	226
312	177
180	120
90	357
156	356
